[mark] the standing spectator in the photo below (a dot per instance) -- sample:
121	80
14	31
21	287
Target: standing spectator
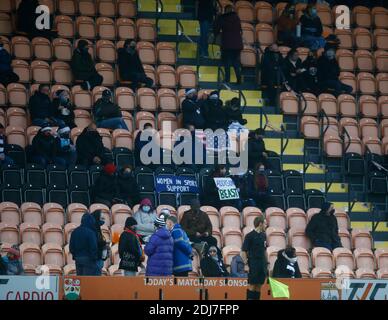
182	248
90	149
130	249
322	229
160	251
312	29
191	110
229	25
329	71
13	262
215	116
212	264
102	246
139	143
7	75
262	197
293	71
63	108
257	152
4	159
198	227
237	268
206	13
310	77
41	109
253	253
108	114
128	189
84	246
105	188
145	218
286	265
131	67
286	26
45	147
272	77
65	148
83	67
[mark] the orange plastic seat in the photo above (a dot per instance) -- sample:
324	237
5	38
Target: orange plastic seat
53	234
54	213
126	29
31	254
146	29
298	238
322	258
31	213
53	255
9	233
106	51
106	28
86	27
30	233
361	239
276	237
65	27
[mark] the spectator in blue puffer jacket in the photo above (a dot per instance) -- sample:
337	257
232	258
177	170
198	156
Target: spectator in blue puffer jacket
160	251
182	248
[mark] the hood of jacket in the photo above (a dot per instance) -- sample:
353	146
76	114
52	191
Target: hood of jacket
88	221
163	233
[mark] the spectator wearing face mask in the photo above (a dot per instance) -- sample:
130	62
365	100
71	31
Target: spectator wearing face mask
131	67
7	75
128	188
214	113
103	248
257	152
293	71
310	77
130	248
63	108
322	229
12	262
329	71
108	114
212	264
191	110
4	158
145	218
286	264
90	149
105	188
286	26
83	67
312	29
65	147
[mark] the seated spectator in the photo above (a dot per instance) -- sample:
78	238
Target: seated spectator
145	217
41	108
246	190
198	227
182	248
131	67
293	71
83	246
328	73
235	120
65	147
237	268
310	77
130	249
312	29
83	67
12	262
7	75
272	77
286	26
160	251
214	113
44	148
90	149
257	152
322	229
128	191
63	108
286	265
191	110
212	264
4	159
105	188
261	188
139	144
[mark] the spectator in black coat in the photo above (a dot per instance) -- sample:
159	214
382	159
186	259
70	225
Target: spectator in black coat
233	112
4	159
105	188
83	67
191	110
229	25
63	108
130	249
322	229
310	77
212	264
108	114
128	188
90	149
312	29
257	152
214	112
65	147
293	71
328	73
102	245
286	265
41	109
7	75
131	67
139	144
206	14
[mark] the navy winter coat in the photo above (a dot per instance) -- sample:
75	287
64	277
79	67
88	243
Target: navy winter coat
160	252
83	241
182	250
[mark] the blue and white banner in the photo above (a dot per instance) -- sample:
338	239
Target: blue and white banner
176	184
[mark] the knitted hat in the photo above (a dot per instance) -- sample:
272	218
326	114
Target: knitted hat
190	91
214	95
160	221
165	211
110	169
64	130
131	221
107	93
46	129
146	202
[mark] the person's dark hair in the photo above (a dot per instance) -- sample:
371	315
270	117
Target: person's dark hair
258	221
219	167
260	131
127	42
97	216
82	44
287	9
147	125
290	252
43	85
1	126
229	8
172	218
291	52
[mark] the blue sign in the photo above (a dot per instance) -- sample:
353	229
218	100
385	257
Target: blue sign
176	184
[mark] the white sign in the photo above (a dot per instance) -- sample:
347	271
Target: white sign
365	290
226	189
28	288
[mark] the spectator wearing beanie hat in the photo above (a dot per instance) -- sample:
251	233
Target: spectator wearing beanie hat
160	251
215	115
130	249
145	217
105	188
